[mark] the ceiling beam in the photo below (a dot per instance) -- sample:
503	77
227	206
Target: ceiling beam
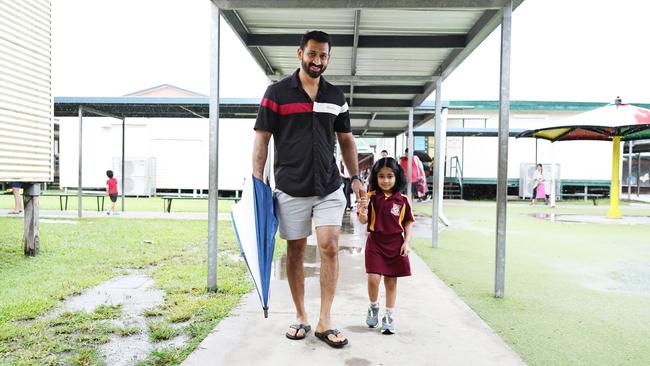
242	33
347	40
368	102
365	128
369	78
355	48
383	89
361	4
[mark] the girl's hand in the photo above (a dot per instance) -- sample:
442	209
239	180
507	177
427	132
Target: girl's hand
404	251
363	202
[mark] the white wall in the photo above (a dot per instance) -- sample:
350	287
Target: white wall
180	147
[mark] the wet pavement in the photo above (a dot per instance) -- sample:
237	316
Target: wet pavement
434	327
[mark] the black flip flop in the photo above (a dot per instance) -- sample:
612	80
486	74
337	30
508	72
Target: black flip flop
297	327
323	336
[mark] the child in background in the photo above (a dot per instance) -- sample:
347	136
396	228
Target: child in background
388	215
111	190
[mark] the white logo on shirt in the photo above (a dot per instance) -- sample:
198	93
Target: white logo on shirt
330	108
396	210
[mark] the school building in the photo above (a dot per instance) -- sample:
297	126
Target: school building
171	154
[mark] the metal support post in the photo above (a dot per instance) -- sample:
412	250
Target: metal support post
213	203
502	175
629	170
409	169
438	164
80	182
123	149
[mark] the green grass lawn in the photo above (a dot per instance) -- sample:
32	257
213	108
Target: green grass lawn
575	294
153	204
86	252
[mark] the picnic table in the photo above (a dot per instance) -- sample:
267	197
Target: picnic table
592	196
63	198
167	199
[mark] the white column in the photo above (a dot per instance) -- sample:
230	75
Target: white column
213	203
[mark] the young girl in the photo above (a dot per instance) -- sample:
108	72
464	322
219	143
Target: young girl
388	215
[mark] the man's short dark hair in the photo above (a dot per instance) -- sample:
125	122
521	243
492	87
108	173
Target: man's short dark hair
318	36
109	173
384	151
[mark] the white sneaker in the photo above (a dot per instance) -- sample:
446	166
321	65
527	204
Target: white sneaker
373	316
387	324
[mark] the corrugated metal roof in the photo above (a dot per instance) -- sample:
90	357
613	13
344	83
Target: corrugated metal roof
408	43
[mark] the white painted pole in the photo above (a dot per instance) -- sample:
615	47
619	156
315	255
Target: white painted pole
213	203
80	180
502	174
409	169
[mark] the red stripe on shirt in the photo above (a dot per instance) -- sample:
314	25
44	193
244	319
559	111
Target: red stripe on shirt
293	108
270	104
289	108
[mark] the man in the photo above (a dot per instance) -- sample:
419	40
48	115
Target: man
384	154
303	113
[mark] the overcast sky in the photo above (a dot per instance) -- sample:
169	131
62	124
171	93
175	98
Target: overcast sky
562	50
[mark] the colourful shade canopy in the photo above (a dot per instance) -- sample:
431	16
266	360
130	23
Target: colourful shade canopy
625	120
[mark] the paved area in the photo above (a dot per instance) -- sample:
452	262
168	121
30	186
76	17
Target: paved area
434	327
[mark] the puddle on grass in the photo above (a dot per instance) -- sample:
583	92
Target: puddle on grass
543	216
586	219
53	221
134	293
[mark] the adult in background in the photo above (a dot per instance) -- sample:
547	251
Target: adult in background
18	202
415	172
539	190
304	114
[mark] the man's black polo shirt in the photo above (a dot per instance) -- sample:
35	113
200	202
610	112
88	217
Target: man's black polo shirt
304	135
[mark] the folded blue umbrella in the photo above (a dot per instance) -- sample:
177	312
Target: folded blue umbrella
255	224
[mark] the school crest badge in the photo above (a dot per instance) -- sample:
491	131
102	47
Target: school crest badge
396	209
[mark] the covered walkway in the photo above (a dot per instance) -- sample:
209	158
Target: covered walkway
434	327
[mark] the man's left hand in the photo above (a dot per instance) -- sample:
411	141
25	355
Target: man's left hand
358	189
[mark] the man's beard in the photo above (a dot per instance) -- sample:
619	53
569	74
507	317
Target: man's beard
306	67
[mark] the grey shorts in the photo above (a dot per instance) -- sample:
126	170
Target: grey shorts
295	213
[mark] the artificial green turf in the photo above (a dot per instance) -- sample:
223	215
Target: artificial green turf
137	204
78	254
575	294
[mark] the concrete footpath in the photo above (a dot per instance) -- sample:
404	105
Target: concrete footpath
434	327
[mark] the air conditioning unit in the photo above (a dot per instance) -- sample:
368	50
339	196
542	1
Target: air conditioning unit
139	175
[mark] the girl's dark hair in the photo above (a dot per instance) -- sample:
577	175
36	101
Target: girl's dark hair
317	36
109	173
392	164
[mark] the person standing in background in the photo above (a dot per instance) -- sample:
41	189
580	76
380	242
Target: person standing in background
111	191
18	203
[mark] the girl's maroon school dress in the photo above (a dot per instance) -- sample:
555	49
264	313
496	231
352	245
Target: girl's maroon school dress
387	216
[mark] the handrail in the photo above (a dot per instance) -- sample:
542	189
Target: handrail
456	171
